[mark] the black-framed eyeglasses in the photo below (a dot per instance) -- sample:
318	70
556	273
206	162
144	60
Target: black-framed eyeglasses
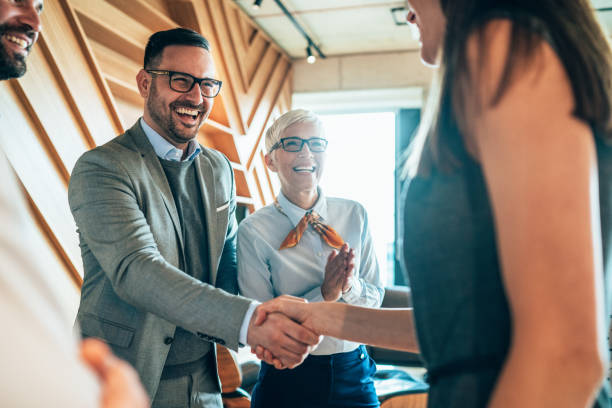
183	82
295	144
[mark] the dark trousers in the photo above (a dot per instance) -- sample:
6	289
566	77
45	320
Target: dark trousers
339	380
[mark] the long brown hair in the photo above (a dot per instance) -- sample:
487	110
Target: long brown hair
569	26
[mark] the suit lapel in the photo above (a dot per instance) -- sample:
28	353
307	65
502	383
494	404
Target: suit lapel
156	171
207	189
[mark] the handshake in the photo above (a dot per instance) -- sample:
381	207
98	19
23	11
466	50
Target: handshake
282	332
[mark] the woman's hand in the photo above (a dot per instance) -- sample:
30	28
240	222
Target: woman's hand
338	273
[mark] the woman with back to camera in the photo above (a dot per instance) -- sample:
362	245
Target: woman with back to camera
507	210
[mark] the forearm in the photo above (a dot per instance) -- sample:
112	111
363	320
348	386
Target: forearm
389	328
152	284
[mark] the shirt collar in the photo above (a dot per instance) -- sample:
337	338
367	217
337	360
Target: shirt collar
295	213
164	149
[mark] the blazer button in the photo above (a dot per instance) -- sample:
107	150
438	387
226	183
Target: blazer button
168	340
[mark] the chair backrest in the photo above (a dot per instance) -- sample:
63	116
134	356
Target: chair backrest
229	370
397	296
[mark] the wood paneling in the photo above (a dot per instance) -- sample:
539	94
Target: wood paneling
80	91
406	401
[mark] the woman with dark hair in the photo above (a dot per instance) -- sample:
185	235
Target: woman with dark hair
507	210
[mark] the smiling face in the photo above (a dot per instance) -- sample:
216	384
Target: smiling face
427	15
177	116
299	172
19	28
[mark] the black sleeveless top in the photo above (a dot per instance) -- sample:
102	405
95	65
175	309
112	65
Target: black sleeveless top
450	255
452	263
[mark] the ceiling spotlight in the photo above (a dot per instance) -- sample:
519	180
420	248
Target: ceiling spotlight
257	4
310	58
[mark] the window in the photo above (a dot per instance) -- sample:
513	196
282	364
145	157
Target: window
361	166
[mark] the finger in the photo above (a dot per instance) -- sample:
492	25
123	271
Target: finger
97	355
258	351
292	298
350	255
270	359
260	316
299	333
344	249
275	305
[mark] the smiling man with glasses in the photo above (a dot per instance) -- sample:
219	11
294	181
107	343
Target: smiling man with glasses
314	247
155	212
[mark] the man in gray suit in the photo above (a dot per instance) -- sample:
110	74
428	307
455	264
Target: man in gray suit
156	218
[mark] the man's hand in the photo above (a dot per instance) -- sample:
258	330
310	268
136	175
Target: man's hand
120	385
295	308
338	274
287	342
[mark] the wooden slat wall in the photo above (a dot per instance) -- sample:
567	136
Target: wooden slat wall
80	91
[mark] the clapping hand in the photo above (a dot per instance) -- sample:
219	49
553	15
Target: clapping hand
338	274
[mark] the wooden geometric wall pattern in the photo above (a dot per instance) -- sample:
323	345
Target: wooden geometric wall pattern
80	91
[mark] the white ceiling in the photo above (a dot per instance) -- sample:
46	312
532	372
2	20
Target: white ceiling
338	27
344	27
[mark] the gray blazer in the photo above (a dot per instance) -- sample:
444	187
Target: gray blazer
133	294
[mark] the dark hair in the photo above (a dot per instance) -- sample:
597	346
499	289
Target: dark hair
176	36
571	29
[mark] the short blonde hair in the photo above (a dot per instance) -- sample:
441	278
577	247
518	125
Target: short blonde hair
273	134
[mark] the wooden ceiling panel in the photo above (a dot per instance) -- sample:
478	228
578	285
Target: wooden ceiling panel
148	14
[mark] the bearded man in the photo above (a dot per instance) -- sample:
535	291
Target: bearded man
155	212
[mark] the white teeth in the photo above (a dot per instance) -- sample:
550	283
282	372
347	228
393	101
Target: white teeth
185	111
309	169
18	41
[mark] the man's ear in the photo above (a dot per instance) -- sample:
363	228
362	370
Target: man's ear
143	80
270	162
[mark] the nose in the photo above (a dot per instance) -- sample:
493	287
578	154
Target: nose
305	152
28	15
195	95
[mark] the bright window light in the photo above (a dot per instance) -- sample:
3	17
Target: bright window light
360	166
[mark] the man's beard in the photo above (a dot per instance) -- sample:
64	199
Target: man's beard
13	65
166	121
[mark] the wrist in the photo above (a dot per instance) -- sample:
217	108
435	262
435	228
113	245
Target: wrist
329	296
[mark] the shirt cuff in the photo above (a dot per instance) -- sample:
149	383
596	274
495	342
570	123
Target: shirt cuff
354	293
242	339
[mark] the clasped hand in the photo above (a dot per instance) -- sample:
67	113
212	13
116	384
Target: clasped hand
338	274
286	342
288	349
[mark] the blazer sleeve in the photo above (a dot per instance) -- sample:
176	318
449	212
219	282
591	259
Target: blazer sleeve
104	203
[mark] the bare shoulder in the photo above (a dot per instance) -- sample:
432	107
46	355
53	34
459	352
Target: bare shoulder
503	58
